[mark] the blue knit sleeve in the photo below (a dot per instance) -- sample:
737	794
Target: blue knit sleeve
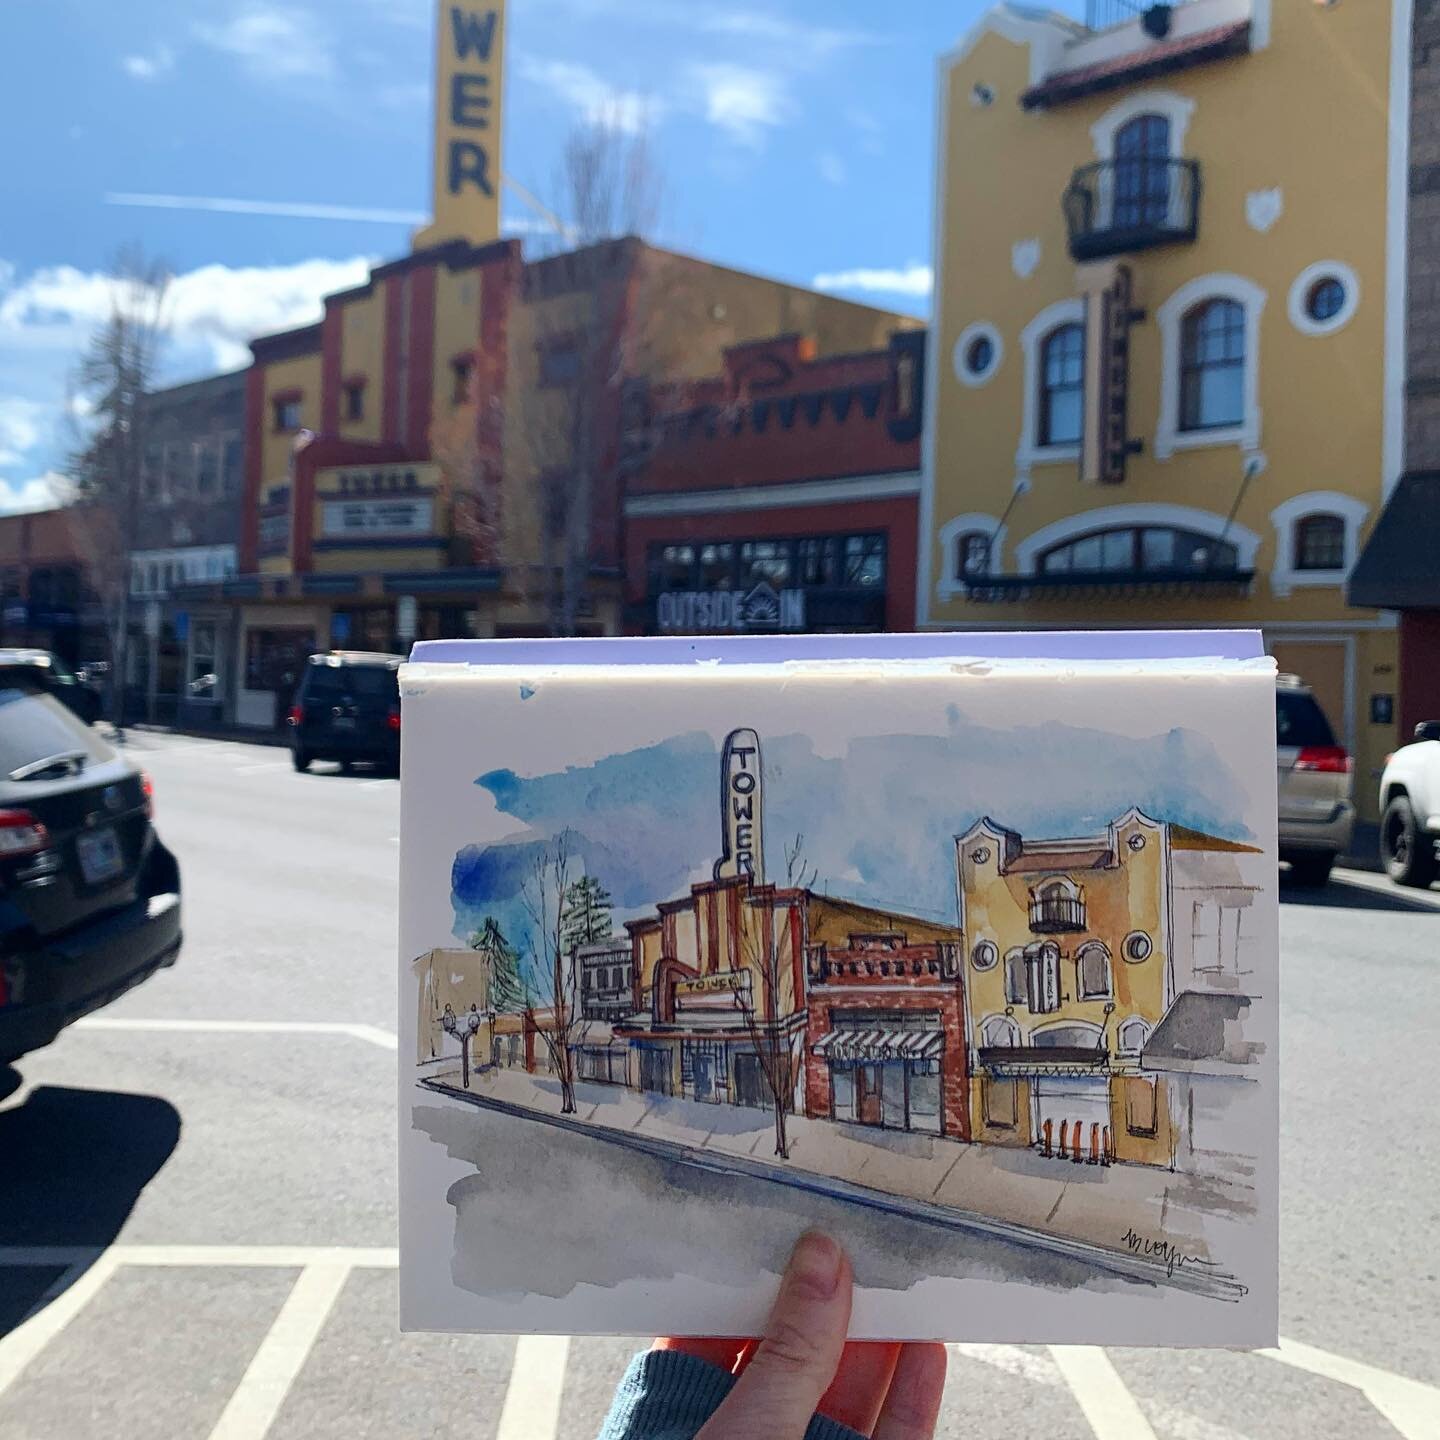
665	1395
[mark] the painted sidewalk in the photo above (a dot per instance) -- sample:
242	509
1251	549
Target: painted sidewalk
1143	1221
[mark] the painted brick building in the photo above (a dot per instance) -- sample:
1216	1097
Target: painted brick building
779	494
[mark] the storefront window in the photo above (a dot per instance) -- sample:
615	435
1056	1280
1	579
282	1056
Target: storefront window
717	567
843	1079
925	1095
865	560
204	680
818	561
767	560
672	567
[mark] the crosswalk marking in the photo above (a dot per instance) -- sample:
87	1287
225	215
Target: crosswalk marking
532	1398
1111	1410
373	1034
31	1336
1411	1407
274	1366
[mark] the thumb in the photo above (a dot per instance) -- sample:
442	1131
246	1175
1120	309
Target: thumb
796	1360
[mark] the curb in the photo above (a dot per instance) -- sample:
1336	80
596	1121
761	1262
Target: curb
1211	1282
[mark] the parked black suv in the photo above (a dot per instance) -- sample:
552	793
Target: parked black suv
54	676
347	709
89	897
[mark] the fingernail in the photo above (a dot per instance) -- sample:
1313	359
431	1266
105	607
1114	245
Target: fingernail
815	1265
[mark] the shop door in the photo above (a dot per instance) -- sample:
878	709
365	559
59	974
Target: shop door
655	1069
704	1070
868	1109
1078	1112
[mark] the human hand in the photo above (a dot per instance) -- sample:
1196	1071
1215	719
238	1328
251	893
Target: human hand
802	1365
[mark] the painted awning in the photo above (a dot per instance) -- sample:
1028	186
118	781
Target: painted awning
880	1045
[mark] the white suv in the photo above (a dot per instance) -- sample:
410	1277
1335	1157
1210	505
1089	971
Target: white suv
1410	808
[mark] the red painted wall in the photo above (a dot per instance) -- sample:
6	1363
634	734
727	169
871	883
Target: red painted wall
1419	669
390	388
421	376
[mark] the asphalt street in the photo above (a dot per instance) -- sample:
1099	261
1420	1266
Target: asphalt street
197	1187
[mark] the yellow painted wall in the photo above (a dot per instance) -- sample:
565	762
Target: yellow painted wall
457	329
1307	114
831	922
362	352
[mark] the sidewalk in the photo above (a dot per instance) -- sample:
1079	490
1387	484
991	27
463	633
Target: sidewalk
245	734
1138	1220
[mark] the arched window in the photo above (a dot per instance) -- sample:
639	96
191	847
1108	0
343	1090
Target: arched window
1016	977
972	554
1142	172
1092	969
1062	385
1140	550
1068	1037
1320	542
1132	1035
1212	366
1000	1030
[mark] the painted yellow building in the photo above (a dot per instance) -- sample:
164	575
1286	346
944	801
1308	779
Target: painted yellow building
1076	949
1168	375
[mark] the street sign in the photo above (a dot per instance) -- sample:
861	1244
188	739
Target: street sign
407	617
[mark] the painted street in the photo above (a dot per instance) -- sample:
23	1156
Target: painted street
197	1207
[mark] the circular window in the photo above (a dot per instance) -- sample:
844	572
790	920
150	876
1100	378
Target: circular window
1136	842
1325	300
1137	946
978	353
980	854
984	955
1323	297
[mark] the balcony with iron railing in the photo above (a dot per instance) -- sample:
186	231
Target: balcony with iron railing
1054	914
1116	207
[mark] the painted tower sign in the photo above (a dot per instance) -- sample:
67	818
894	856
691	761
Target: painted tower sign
742	808
469	89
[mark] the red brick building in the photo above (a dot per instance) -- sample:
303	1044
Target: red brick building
780	495
885	1035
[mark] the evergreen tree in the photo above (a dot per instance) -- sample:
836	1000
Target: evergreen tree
507	989
587	914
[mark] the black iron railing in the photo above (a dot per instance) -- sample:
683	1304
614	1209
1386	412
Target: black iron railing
1050	914
1116	206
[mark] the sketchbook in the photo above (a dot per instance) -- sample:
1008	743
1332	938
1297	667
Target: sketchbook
962	948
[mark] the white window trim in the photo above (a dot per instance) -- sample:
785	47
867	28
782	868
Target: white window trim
1284	577
1203	522
949	588
980	330
1220	286
1299	291
1177	109
1030	452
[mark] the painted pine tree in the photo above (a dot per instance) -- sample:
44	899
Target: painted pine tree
507	988
587	914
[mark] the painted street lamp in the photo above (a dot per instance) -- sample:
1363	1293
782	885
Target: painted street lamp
465	1027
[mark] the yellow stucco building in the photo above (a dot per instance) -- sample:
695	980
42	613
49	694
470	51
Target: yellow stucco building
1076	950
1168	330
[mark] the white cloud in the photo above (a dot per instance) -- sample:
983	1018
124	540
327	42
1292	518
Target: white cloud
742	101
43	492
596	99
797	41
915	279
868	128
271	43
20	421
832	168
160	61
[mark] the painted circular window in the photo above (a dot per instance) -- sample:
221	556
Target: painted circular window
1138	946
984	955
978	353
1325	299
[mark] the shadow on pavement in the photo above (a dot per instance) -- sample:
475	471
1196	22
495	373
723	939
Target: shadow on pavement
1338	895
75	1162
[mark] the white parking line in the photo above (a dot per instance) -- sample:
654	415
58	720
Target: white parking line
372	1034
30	1337
1113	1412
272	1370
1410	1406
532	1398
257	769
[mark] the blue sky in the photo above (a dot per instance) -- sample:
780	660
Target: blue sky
793	137
878	820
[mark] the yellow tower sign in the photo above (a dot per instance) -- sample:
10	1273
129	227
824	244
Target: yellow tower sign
469	109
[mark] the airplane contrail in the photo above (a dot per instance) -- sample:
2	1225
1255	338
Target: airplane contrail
283	208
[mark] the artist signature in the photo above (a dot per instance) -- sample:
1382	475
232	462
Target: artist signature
1169	1255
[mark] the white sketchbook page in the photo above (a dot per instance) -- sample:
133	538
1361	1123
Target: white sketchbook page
580	1249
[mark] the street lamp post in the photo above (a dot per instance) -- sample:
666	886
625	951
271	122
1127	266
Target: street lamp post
465	1027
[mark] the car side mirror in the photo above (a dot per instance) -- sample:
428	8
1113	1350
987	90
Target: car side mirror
1428	730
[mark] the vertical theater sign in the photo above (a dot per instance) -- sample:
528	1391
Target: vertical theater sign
742	804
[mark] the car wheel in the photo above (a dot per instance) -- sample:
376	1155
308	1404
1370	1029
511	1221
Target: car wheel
1311	869
300	760
1409	855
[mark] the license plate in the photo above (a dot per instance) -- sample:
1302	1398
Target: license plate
342	722
100	855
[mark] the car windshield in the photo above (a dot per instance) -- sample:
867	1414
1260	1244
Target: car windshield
35	728
363	682
1299	720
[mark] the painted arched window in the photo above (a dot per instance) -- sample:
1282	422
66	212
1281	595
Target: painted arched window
1212	366
1142	172
1132	1035
1062	385
1320	542
1000	1030
972	554
1137	550
1016	977
1092	969
1068	1037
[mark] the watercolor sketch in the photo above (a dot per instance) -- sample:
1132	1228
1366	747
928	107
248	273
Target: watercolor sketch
994	1002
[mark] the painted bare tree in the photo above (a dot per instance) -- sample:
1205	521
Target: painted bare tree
765	1020
117	368
552	967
